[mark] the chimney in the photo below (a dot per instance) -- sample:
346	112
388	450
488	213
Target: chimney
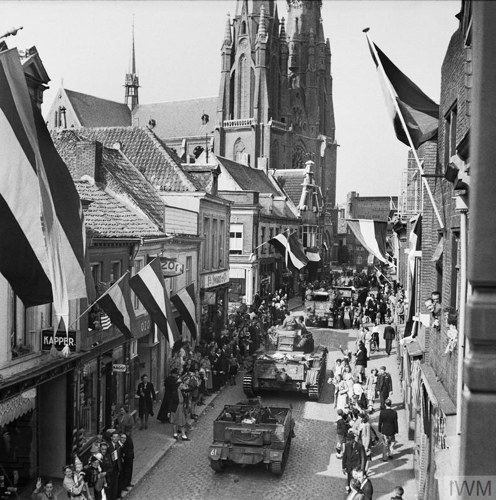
89	159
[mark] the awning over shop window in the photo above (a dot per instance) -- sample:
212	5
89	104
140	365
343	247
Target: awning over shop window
414	349
439	250
17	406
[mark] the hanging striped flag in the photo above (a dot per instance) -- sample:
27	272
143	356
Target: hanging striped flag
116	302
185	302
291	247
419	111
372	236
149	286
42	238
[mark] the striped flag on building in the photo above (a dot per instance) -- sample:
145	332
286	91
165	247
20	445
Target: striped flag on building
42	239
185	302
291	247
149	286
372	236
117	306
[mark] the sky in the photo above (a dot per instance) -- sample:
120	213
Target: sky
86	45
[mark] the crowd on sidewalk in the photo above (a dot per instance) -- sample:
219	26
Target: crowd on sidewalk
356	394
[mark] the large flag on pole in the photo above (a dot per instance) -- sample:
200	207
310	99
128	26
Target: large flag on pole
185	302
291	247
42	239
149	286
420	112
372	236
116	302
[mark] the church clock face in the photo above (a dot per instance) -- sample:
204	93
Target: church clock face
298	160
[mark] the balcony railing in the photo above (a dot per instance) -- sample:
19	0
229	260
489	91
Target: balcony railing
240	122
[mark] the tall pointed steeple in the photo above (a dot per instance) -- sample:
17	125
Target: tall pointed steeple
131	83
227	33
262	29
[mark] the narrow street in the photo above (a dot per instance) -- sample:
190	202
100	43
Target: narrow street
184	472
312	471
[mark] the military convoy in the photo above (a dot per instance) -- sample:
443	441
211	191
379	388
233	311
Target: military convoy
295	366
249	433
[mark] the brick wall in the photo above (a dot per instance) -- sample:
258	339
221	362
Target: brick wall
453	93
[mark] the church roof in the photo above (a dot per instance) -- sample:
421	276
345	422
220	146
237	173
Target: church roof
117	175
248	179
178	118
107	217
158	163
291	180
95	112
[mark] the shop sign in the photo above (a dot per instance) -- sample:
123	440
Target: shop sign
170	267
265	281
59	340
214	279
143	325
119	368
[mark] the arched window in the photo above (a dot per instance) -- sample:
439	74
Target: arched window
243	28
244	87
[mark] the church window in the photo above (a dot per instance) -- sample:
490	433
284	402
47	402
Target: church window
244	87
298	157
243	28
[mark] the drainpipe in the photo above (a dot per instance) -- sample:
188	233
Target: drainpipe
462	208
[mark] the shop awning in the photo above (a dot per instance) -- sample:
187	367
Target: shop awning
438	252
414	349
17	406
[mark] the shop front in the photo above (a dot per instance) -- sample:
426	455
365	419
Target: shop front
214	296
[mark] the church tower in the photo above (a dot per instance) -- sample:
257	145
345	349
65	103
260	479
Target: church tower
131	84
275	104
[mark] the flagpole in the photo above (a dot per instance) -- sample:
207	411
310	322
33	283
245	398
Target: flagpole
102	295
405	128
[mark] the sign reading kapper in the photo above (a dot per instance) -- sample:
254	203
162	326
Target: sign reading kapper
59	340
171	267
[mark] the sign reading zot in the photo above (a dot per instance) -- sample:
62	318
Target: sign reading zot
214	279
170	267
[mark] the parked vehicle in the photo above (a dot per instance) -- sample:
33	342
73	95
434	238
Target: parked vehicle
250	433
319	307
296	366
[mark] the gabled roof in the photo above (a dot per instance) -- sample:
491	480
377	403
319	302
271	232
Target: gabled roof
178	118
247	178
158	163
106	217
291	180
95	112
116	175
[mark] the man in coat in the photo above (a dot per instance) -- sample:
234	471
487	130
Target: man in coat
366	487
384	386
353	456
361	361
115	452
388	427
147	395
389	335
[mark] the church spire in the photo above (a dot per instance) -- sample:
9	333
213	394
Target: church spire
227	33
131	83
262	28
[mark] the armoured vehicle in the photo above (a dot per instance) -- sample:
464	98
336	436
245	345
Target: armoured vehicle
295	366
319	307
249	433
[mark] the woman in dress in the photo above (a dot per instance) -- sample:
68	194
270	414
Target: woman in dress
348	378
206	365
342	393
178	415
364	433
73	490
370	388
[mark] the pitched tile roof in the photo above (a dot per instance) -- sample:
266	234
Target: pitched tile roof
178	118
106	217
117	175
158	163
202	175
291	180
95	112
248	179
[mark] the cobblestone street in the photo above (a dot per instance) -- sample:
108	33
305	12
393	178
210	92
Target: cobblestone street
312	471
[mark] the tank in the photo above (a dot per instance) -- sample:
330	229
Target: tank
250	433
294	366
